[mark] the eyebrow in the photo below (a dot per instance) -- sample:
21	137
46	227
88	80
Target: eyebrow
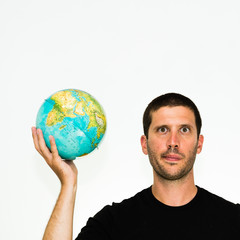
160	126
186	125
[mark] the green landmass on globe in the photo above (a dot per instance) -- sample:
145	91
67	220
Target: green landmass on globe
75	119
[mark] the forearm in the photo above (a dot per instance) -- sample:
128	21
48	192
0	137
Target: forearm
60	225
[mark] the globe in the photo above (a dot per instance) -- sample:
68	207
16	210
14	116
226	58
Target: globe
75	119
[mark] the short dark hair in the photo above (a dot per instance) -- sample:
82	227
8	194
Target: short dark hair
171	100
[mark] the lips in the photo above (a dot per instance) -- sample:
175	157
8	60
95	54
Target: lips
172	157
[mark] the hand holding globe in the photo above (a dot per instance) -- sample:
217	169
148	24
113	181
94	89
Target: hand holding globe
70	124
65	170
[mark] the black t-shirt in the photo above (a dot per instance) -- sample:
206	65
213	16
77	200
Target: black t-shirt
143	217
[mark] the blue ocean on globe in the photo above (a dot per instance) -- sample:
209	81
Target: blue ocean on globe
75	119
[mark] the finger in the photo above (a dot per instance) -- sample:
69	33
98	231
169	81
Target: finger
35	139
53	147
42	145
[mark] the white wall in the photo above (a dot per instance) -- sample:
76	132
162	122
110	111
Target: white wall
125	53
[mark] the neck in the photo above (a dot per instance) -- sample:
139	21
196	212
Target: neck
174	193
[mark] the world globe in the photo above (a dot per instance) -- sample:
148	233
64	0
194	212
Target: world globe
75	119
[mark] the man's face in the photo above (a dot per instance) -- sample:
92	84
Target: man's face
172	142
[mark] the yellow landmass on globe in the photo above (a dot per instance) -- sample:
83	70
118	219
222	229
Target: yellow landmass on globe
79	109
63	107
66	105
64	99
62	127
95	113
54	117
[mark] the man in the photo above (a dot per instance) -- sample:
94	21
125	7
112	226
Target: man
173	207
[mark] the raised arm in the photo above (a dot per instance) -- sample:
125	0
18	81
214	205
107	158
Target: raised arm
60	224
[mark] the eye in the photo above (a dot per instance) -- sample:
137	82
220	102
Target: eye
185	129
162	129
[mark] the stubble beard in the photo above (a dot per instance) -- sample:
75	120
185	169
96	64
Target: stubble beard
161	170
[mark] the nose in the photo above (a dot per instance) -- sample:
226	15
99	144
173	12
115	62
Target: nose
173	141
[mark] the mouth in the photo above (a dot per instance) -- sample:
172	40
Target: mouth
172	157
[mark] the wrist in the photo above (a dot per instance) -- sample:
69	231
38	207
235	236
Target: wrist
69	187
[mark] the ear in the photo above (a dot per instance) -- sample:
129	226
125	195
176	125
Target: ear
144	144
200	143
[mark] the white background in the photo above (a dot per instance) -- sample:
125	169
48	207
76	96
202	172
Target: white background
124	53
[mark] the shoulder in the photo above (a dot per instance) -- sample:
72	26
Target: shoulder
118	220
128	204
220	206
212	198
